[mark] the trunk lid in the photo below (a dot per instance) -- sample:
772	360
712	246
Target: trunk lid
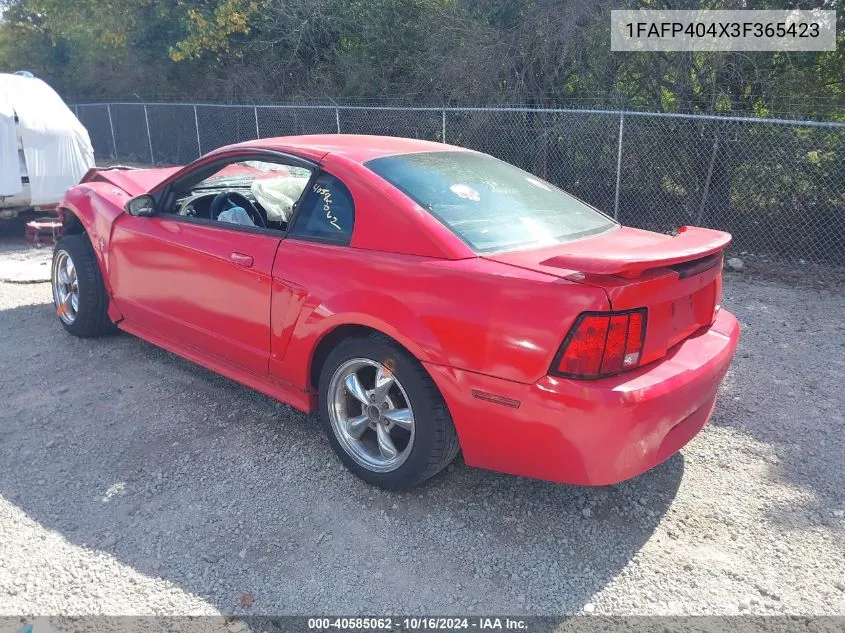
678	278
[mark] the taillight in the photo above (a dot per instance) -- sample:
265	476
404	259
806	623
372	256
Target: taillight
602	344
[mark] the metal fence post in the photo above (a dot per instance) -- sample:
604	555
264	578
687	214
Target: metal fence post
111	127
700	215
337	118
197	124
443	137
257	131
149	137
618	165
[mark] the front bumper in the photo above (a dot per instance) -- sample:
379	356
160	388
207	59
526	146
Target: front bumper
592	432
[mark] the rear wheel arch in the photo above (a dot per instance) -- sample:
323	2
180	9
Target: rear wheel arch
433	442
333	338
352	314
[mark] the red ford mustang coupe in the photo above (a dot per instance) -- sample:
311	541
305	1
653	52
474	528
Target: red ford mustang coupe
424	298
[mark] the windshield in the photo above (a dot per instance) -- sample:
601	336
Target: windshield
490	204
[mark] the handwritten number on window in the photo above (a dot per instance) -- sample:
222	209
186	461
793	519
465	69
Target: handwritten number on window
326	195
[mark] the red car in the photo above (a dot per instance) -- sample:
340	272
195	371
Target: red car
424	298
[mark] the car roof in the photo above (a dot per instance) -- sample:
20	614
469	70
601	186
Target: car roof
356	147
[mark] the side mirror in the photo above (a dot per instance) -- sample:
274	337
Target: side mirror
142	206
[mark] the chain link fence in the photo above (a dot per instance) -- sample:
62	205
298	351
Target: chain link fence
778	186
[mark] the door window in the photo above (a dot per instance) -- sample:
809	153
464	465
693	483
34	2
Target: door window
249	193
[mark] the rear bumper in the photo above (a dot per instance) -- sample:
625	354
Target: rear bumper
592	432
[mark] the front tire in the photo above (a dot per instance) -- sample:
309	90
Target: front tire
383	414
78	291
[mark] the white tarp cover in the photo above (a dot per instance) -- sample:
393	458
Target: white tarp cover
56	145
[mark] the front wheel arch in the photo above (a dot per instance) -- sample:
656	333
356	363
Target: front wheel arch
71	224
75	222
90	310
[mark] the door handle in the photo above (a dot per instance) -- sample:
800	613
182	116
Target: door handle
241	260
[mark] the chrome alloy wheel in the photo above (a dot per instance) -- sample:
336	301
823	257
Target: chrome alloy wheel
65	287
371	415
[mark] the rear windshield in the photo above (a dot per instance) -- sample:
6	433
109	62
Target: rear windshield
490	204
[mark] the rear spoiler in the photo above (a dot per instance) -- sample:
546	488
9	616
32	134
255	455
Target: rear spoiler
630	259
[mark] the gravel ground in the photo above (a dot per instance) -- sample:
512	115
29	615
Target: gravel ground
133	482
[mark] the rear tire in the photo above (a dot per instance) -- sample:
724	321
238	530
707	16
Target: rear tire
417	438
78	292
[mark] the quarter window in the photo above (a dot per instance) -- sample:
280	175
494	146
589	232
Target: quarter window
327	212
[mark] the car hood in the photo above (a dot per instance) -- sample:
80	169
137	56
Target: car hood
132	181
